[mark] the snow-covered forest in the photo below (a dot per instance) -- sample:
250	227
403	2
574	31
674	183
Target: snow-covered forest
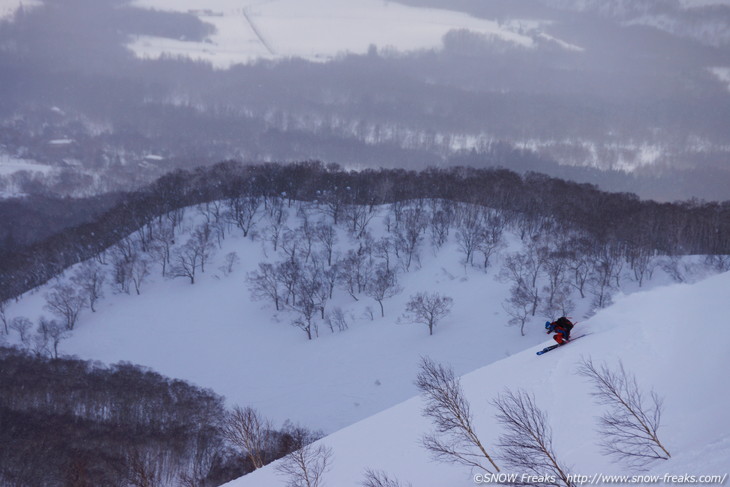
227	277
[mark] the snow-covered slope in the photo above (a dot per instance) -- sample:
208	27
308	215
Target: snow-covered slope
673	339
214	334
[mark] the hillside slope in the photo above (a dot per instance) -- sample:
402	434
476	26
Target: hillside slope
674	340
213	333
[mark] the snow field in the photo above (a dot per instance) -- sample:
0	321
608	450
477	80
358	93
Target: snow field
672	339
317	30
215	336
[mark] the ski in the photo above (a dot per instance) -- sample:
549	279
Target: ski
553	347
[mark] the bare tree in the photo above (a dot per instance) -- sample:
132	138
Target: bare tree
491	241
186	260
470	234
247	430
384	284
518	307
176	217
140	271
562	304
336	319
600	285
53	333
455	440
231	259
428	309
276	228
409	236
3	316
290	242
242	212
383	249
265	284
122	270
164	239
22	326
376	478
330	276
306	466
306	305
555	267
288	274
333	201
630	426
523	269
355	272
39	344
441	219
579	266
125	249
202	240
306	233
90	279
327	236
359	216
527	443
143	470
66	303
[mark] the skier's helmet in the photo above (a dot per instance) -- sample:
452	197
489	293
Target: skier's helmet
547	325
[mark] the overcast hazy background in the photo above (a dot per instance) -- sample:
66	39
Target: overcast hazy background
105	95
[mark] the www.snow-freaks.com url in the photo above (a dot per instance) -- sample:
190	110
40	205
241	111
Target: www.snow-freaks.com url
599	478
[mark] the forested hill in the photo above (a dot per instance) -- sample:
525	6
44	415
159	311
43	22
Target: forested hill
618	223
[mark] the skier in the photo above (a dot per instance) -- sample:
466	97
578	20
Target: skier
561	327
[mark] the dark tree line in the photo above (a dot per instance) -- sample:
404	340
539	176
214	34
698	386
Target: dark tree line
532	202
67	418
72	423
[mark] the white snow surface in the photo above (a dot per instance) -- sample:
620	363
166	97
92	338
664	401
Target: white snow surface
673	339
11	164
213	334
316	30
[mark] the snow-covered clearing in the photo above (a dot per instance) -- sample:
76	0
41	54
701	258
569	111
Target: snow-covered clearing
313	29
214	335
673	339
10	164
